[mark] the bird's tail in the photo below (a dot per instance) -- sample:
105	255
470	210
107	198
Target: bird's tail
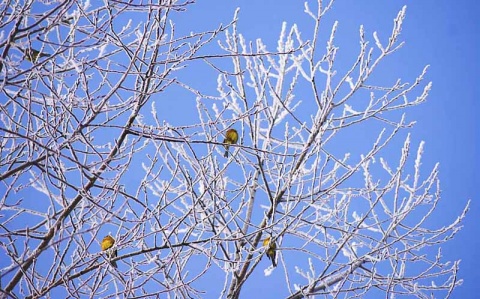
226	152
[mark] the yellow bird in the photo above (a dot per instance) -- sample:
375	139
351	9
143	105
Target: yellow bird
107	244
231	137
32	55
271	251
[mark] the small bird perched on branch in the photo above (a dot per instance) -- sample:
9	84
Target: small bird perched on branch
107	244
32	55
271	250
231	137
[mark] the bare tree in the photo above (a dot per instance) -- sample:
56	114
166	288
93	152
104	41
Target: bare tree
89	148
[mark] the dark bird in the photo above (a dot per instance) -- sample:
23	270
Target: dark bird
32	55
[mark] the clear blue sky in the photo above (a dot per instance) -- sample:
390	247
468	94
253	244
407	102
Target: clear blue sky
443	34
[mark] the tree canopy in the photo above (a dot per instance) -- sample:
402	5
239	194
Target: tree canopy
114	124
